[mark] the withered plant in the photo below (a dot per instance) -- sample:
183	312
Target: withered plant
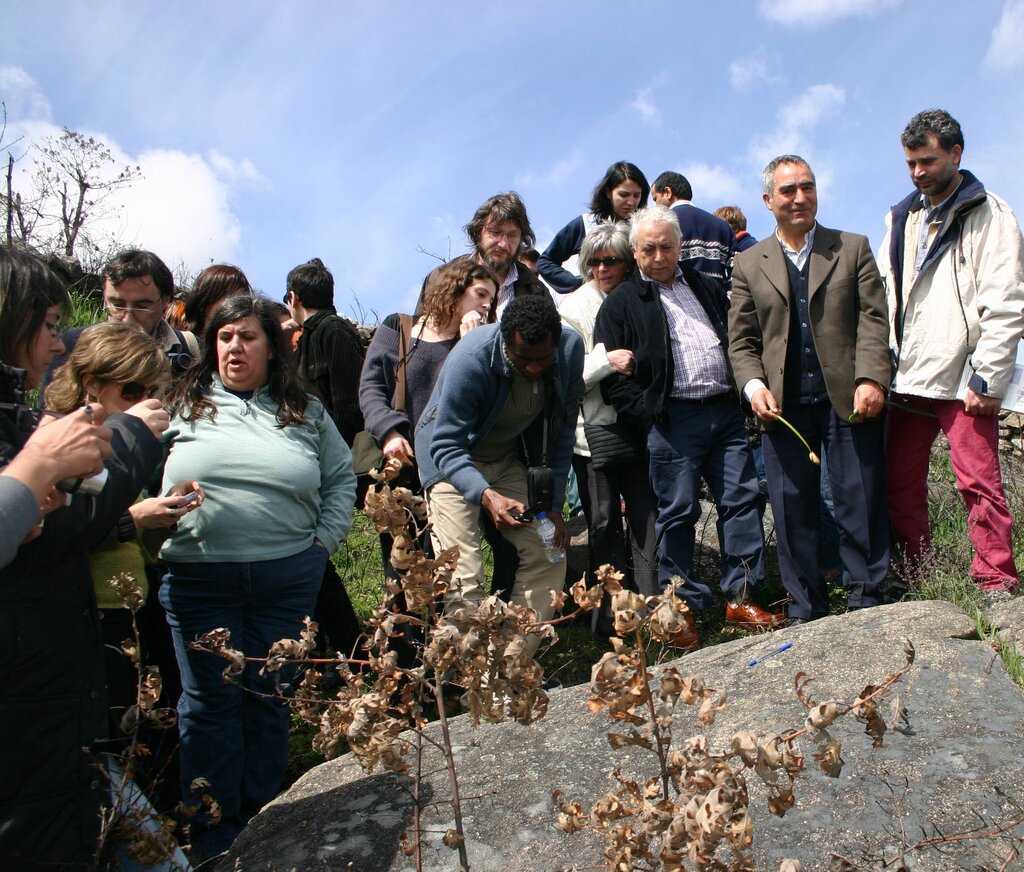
472	653
129	821
694	808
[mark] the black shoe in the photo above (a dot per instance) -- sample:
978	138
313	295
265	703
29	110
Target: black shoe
550	684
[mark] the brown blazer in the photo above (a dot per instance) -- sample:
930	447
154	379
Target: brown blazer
849	318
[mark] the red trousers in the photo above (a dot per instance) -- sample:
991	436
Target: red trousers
973	443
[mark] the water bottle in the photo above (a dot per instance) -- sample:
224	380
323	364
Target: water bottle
545	528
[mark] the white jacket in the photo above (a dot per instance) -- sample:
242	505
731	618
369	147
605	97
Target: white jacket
966	304
579	312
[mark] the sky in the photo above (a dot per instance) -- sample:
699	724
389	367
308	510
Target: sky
367	134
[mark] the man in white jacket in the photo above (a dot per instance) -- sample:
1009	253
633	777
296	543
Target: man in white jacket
953	262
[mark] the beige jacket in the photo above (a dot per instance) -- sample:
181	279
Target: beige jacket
579	312
965	307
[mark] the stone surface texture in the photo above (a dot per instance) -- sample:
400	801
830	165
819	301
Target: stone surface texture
962	758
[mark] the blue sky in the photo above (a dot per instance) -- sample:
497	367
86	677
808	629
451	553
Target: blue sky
272	133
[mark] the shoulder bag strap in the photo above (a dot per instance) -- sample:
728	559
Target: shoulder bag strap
398	402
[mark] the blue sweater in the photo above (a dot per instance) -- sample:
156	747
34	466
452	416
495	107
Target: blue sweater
471	391
566	243
269	490
708	241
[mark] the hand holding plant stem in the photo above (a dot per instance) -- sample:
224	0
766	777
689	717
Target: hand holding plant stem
813	457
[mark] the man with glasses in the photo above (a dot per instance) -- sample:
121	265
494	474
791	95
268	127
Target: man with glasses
137	288
500	231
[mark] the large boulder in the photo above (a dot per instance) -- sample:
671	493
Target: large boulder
959	763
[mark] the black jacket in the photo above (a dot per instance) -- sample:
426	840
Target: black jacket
330	360
632	317
52	688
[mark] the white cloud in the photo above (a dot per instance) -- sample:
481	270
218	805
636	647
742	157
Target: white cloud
552	177
796	120
645	106
180	207
713	186
22	96
756	69
237	172
815	13
1006	51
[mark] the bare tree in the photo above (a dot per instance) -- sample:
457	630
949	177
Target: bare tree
74	179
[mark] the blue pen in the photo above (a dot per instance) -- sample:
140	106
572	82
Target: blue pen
785	646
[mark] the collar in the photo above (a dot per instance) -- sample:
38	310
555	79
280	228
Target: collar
165	337
677	276
807	246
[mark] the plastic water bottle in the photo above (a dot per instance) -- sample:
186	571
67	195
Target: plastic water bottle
545	528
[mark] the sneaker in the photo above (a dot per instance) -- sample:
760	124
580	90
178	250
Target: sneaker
550	684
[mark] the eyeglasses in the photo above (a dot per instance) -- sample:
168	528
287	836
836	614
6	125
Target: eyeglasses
605	261
512	237
136	392
142	307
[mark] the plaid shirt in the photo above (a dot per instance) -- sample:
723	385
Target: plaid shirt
699	366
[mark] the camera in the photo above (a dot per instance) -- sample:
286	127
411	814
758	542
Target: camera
89	486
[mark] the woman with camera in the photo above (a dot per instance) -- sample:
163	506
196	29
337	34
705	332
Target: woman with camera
52	698
278	491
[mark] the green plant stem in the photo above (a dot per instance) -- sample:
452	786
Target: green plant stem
813	456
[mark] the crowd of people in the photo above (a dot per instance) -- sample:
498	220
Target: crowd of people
214	448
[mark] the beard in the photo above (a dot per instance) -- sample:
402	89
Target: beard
496	264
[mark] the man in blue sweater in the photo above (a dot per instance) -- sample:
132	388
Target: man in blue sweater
708	241
507	398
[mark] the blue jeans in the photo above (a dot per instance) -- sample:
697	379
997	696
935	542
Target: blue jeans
230	735
706	439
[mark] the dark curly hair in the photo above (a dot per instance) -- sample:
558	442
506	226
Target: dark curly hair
447	285
535	318
190	398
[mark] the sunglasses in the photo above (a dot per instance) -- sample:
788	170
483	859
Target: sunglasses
136	392
604	261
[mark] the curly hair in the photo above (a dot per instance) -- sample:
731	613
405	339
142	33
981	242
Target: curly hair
190	398
112	352
932	122
446	287
28	287
212	285
534	318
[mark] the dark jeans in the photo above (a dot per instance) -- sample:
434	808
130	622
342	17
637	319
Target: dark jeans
706	439
230	735
856	474
601	493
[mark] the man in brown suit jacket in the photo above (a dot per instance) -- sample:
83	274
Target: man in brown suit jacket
808	338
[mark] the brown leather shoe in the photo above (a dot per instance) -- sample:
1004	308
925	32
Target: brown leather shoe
751	616
687	639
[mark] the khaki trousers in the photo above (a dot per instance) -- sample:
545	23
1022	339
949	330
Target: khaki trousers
456	522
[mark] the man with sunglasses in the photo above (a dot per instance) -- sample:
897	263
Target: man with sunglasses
137	288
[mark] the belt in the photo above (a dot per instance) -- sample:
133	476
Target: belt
703	401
